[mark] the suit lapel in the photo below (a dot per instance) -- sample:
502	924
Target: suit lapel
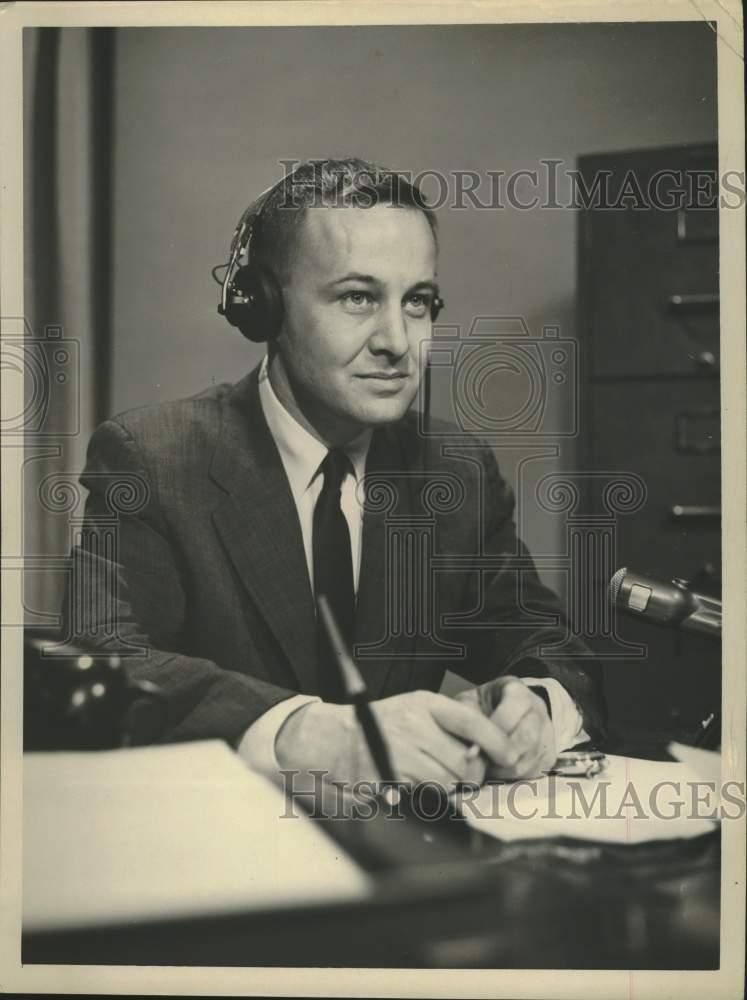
258	523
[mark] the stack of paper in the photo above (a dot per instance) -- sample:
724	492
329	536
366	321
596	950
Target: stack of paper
629	802
166	832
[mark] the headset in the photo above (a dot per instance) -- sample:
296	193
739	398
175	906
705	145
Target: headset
251	298
250	295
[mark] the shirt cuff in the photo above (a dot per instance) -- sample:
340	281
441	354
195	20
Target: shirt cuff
257	745
566	718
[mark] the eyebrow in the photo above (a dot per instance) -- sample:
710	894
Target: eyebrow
370	280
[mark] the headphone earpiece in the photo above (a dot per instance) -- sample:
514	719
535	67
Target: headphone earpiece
251	298
254	303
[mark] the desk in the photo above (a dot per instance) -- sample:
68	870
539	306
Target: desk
446	896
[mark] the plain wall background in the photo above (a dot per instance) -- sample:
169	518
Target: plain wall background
203	117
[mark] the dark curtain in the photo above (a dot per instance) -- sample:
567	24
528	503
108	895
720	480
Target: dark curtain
64	336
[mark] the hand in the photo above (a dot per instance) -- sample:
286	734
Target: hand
522	716
428	736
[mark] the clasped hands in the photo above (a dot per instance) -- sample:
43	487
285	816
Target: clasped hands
429	736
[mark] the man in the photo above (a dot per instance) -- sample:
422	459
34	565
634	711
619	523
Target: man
294	482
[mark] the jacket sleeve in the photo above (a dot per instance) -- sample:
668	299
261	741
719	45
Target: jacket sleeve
526	618
126	596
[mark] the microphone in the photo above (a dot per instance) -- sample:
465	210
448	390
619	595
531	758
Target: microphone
671	604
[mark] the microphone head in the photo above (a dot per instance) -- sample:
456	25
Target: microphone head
658	601
615	583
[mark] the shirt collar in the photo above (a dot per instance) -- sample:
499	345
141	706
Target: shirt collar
300	451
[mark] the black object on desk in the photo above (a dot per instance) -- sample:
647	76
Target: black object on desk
79	699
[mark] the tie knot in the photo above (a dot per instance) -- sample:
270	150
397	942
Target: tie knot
335	467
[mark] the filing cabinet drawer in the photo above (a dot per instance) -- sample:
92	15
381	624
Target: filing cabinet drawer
650	275
668	433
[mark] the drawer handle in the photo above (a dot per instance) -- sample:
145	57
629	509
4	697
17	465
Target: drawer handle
682	512
706	361
700	302
690	234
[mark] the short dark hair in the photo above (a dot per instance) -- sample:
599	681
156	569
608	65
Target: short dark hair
346	182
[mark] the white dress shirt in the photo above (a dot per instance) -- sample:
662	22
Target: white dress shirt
302	454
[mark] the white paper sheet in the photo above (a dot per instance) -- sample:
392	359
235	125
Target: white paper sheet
625	804
707	763
166	832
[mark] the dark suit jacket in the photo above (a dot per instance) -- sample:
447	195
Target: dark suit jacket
202	579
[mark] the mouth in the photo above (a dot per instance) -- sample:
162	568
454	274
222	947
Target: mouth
384	376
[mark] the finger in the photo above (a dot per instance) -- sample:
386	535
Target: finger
469	697
449	751
474	775
515	702
476	768
534	761
526	734
527	766
418	767
532	764
515	773
489	696
472	726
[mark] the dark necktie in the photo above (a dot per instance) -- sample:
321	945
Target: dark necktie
333	568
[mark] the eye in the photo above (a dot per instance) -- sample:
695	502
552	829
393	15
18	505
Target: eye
418	304
357	301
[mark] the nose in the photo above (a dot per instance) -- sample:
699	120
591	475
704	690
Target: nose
390	336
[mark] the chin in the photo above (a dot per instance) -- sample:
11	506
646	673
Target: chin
382	411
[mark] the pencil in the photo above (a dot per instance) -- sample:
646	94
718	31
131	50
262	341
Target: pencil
356	691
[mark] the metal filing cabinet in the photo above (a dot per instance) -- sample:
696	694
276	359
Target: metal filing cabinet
649	348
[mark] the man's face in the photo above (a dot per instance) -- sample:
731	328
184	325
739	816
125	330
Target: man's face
357	305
